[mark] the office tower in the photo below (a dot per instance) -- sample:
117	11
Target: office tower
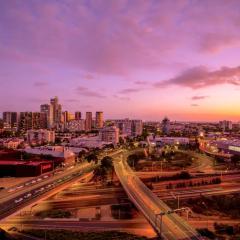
76	125
109	134
36	120
55	111
88	121
25	121
78	115
1	124
39	120
137	127
65	117
41	136
129	127
47	118
165	126
225	125
10	120
99	120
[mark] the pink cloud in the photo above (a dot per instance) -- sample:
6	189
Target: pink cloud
201	76
88	93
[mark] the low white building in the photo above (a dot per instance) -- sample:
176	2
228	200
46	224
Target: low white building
55	151
169	140
41	136
87	142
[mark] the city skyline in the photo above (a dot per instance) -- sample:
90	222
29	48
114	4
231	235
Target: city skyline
136	59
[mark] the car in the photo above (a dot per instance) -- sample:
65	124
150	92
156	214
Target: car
46	176
33	181
41	189
14	229
18	200
21	186
28	195
11	190
39	179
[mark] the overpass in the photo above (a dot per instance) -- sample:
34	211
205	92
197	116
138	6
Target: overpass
166	222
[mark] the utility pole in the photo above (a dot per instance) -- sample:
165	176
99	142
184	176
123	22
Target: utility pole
176	197
161	221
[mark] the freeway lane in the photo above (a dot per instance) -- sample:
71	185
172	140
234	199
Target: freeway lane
75	224
173	226
11	203
29	197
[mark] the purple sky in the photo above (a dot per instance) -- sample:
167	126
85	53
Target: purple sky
137	58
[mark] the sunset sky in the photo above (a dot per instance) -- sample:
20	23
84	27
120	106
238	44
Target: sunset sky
138	58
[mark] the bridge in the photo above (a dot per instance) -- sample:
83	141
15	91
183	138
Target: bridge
164	220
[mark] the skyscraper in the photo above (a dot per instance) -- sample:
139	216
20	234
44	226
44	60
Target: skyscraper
45	115
57	110
99	120
78	115
10	120
26	121
165	126
88	121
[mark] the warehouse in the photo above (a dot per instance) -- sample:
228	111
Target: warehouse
24	168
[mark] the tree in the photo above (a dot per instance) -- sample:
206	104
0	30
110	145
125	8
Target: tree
107	162
235	159
100	174
91	157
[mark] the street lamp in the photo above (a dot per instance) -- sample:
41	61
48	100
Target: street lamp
204	204
161	216
176	197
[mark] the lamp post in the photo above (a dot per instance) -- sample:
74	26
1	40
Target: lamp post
32	208
176	197
204	204
161	221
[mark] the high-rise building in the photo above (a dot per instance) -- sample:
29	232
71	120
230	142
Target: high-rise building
45	109
165	126
65	117
36	120
88	121
10	120
1	124
137	127
78	115
225	125
109	134
41	136
25	121
99	120
129	127
76	125
56	111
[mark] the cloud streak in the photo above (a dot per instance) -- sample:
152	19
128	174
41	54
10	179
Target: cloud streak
201	77
40	84
89	93
199	97
130	90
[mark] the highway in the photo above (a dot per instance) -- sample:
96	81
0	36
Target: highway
12	202
173	226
